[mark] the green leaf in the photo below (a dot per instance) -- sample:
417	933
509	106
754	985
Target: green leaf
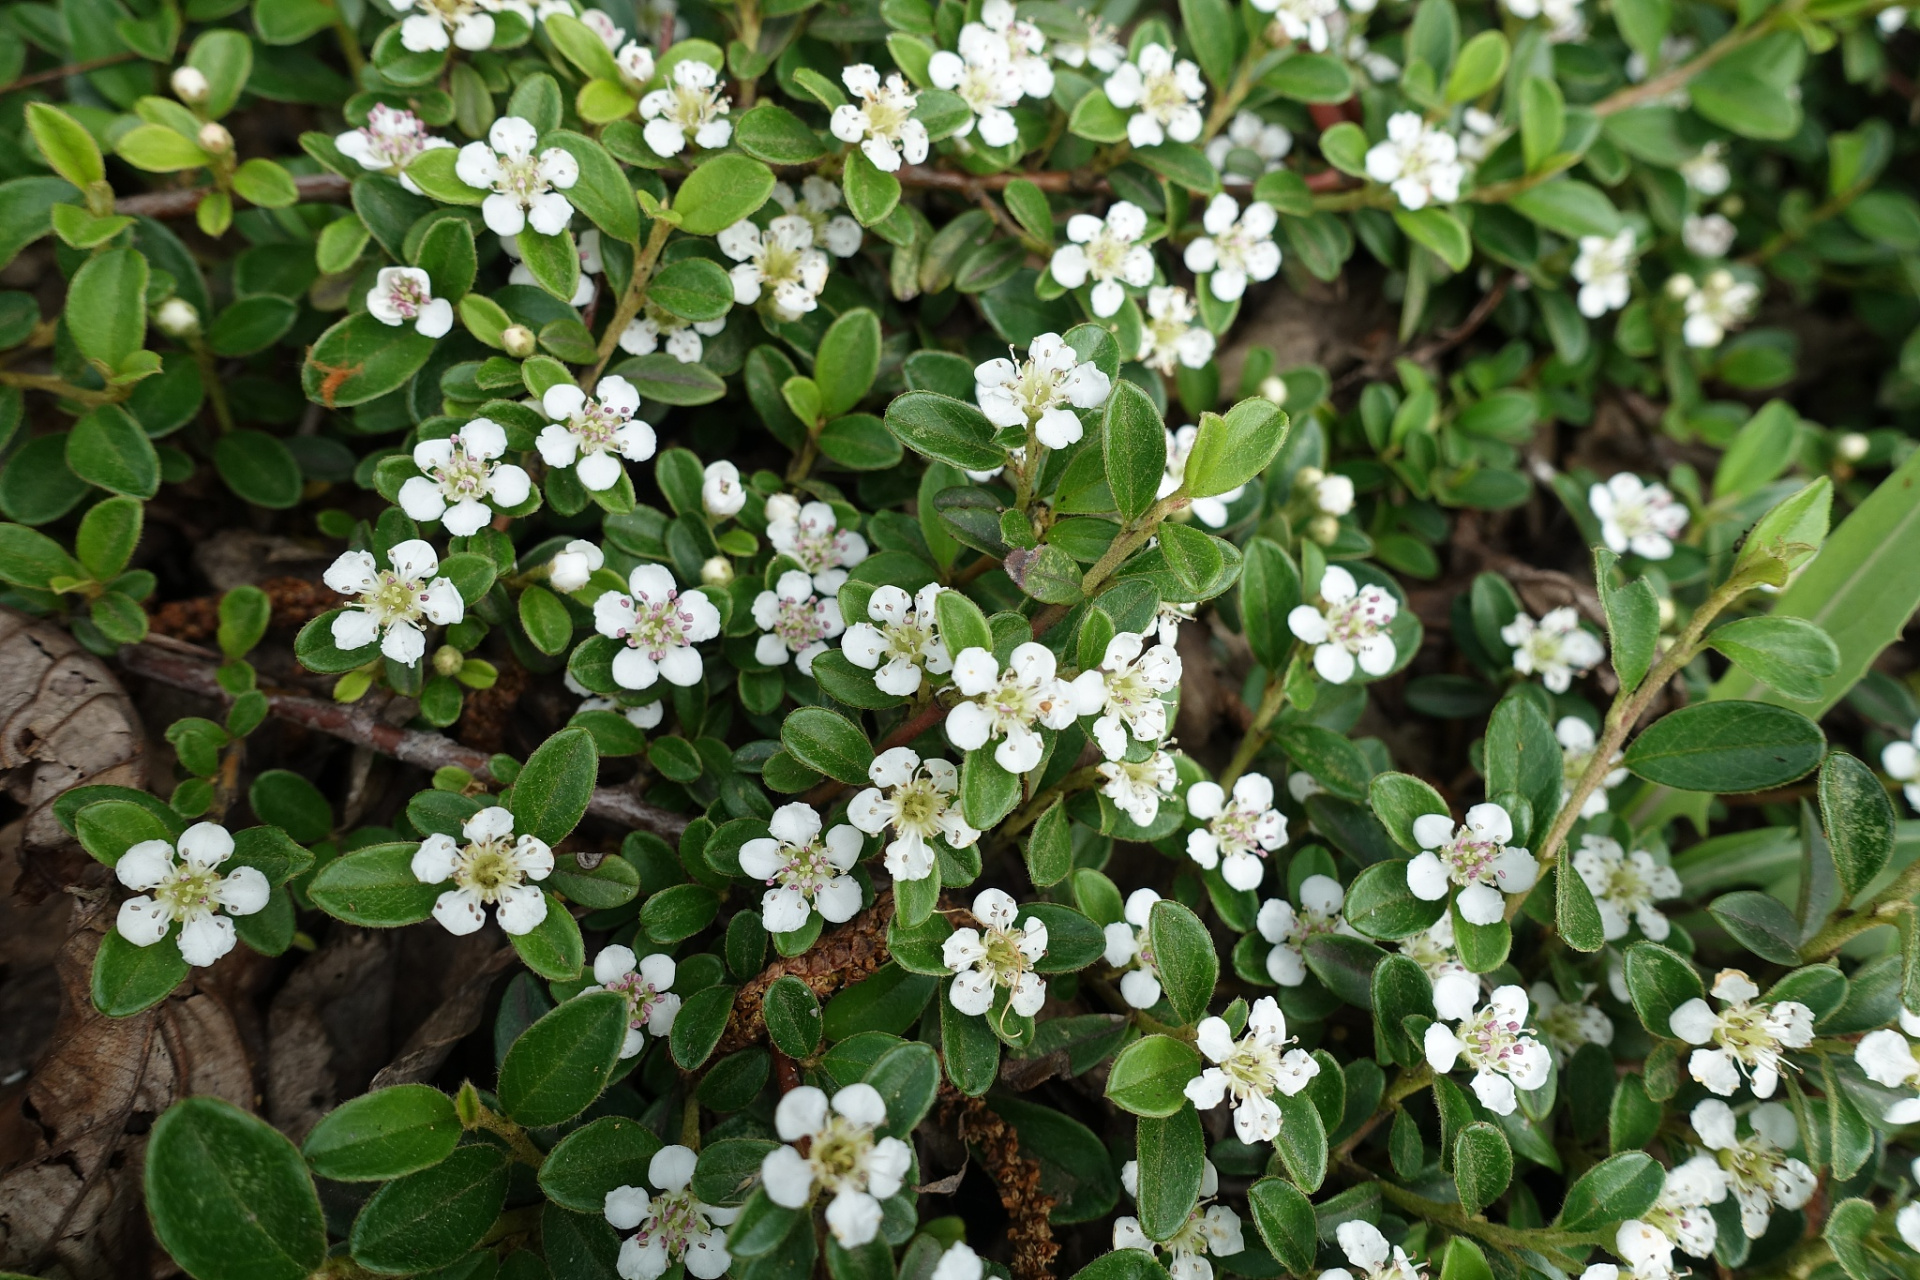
107	536
374	887
1482	1165
1659	981
545	620
108	448
602	192
908	1079
1543	120
553	948
434	1217
1269	591
988	792
871	195
1150	1075
1285	1220
1569	207
1575	912
1229	451
1790	654
67	146
361	359
106	307
29	558
720	192
128	979
771	133
1618	1188
1762	924
556	1068
1380	905
1302	1144
693	289
698	1027
1172	1152
847	361
613	1151
1846	1232
1310	77
229	1197
962	625
1134	449
1748	90
1482	61
1859	820
1633	620
1786	537
829	743
1397	800
1184	955
259	468
551	794
1727	747
969	1049
383	1134
945	430
792	1013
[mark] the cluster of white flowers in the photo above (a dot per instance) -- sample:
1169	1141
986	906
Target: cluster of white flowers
1493	1041
844	1158
1625	886
1368	1250
811	534
779	264
1138	787
1163	95
180	882
1288	929
985	76
1009	704
1715	304
881	124
459	477
1637	516
998	956
794	622
593	433
919	800
1419	162
403	295
1250	1069
804	872
1210	1229
1756	1169
1349	629
899	643
1474	857
1239	831
658	627
655	326
492	868
393	605
1170	337
1743	1039
692	107
671	1225
816	202
1041	393
1107	251
1556	648
525	187
1237	247
466	24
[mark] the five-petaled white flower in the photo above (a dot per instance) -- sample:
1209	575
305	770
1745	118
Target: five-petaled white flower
812	535
1744	1038
983	75
1456	989
526	188
1556	648
1040	393
1248	135
882	122
1759	1172
1008	704
1249	1070
1351	627
1170	337
574	565
670	1226
1129	951
780	263
1209	1229
393	602
1706	171
1238	247
804	871
794	622
816	203
1368	1250
460	477
654	326
1163	94
658	627
491	867
1604	269
181	882
1475	857
721	492
1495	1043
998	956
464	23
1097	48
1710	235
1680	1216
405	294
1026	46
899	640
1210	511
692	107
844	1158
1421	163
1577	745
1288	929
920	801
1108	252
389	141
1637	516
592	433
1302	19
1625	886
1567	1024
1714	305
1137	787
644	981
1239	833
1901	759
1126	692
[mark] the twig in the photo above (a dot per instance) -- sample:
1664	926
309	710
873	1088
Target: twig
71	69
190	667
180	202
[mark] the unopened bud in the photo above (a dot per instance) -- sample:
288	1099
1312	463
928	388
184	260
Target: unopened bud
448	660
1667	612
1274	388
519	341
716	572
177	318
1852	446
1323	529
190	86
1307	477
214	138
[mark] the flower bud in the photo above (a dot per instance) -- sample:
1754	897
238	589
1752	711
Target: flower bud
1307	478
1667	612
574	564
190	86
518	341
1323	529
721	492
716	572
177	318
214	138
1852	446
1274	388
448	660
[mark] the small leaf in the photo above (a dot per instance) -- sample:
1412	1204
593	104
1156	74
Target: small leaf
1482	1165
559	1065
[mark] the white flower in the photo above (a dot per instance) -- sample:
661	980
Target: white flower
811	534
177	318
586	246
1008	704
188	889
575	564
672	1226
806	873
392	602
190	85
1475	857
920	801
459	478
959	1262
1239	834
1127	693
1238	247
997	956
1625	886
1170	337
1901	759
390	140
1108	252
1717	304
1163	95
1247	133
1887	1057
1759	1173
1128	951
693	106
602	25
1480	134
1495	1044
1302	19
899	640
592	434
843	1158
492	867
1165	626
468	21
984	77
1250	1069
646	332
720	490
1332	494
1209	1229
1907	1221
1604	269
1456	989
1288	930
1679	1217
526	188
1557	648
402	294
1040	393
1368	1250
1567	1024
635	62
1097	48
1565	22
881	123
1889	21
1745	1038
793	621
1644	518
659	626
1026	46
1421	163
651	1007
1707	172
1709	235
816	203
1352	626
779	263
1577	745
1210	511
1138	787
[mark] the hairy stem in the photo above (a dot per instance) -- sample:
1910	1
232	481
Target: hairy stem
1259	731
630	302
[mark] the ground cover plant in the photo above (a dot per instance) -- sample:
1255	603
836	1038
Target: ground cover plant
873	638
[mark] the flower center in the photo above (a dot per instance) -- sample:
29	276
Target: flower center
886	112
186	891
1469	860
919	806
1493	1040
641	997
908	640
656	627
394	599
1352	621
1106	254
675	1221
596	427
801	622
806	869
486	867
1005	960
839	1152
461	476
1252	1069
520	178
1163	96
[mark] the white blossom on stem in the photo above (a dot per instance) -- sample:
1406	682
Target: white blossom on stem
1475	857
844	1158
1564	20
1026	46
389	141
1238	832
1349	629
1887	1057
592	434
492	868
693	107
780	263
180	882
1743	1038
466	24
1760	1174
658	627
899	641
1556	648
818	198
984	76
1108	252
998	956
394	604
1129	951
1237	248
793	621
403	295
1368	1250
1625	886
574	565
1719	302
1706	171
1126	693
1163	95
1210	1229
804	871
1008	704
1680	1217
1302	20
1249	1070
881	123
1604	269
1041	392
1577	745
1494	1043
1710	235
1137	787
460	477
645	982
812	535
721	492
526	188
1210	511
1288	929
919	801
1637	516
670	1226
1421	163
1170	336
1097	48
